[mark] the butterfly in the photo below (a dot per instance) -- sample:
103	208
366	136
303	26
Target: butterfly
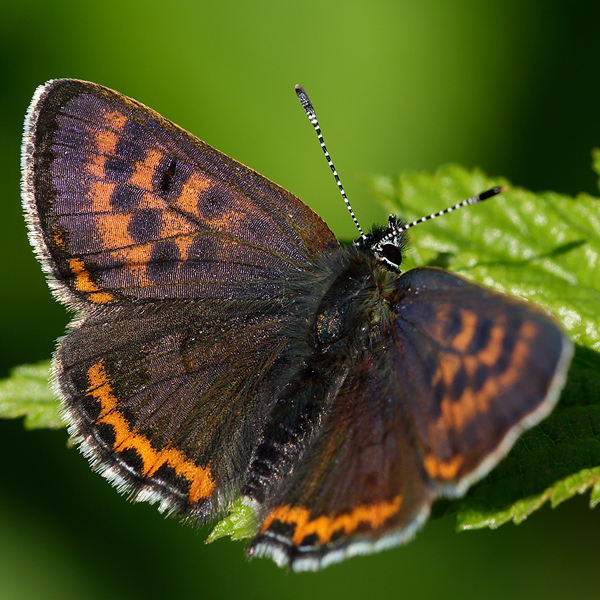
226	346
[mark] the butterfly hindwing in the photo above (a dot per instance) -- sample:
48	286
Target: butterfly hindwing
361	485
477	368
166	401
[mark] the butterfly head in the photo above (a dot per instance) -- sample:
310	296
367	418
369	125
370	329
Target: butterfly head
386	243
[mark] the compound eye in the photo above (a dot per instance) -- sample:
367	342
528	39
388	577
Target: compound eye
392	254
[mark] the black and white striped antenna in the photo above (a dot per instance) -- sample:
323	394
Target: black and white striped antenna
312	117
472	200
397	228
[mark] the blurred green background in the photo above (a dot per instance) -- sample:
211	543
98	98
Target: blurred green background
510	86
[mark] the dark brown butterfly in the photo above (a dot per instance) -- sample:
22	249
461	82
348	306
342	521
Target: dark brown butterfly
225	345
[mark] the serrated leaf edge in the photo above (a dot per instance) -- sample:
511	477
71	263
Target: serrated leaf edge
557	493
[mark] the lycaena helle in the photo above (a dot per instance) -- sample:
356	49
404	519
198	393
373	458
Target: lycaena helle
226	346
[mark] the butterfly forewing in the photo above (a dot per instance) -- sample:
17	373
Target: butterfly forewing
124	204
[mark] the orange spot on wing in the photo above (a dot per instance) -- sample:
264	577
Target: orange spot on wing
59	238
195	185
174	225
134	256
439	469
201	482
325	526
115	119
448	368
469	323
100	297
83	282
99	194
144	171
152	200
106	141
114	230
95	165
183	242
135	261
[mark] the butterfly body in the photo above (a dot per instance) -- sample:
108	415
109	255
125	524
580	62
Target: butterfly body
227	346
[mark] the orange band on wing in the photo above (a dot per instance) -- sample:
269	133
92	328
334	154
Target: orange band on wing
201	482
83	282
457	413
325	526
439	469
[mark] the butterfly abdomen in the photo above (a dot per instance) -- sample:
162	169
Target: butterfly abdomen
347	309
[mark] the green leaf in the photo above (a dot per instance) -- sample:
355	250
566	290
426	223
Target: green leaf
562	490
544	248
25	393
241	523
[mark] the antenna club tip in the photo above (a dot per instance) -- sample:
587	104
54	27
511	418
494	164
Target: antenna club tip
491	193
305	101
502	189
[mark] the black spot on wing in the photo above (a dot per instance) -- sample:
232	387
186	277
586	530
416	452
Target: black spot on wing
482	336
167	475
130	149
480	377
145	225
459	384
132	459
166	182
118	168
164	260
439	390
106	434
91	407
310	541
125	197
454	325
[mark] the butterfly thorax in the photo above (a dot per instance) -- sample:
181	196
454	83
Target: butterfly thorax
355	304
